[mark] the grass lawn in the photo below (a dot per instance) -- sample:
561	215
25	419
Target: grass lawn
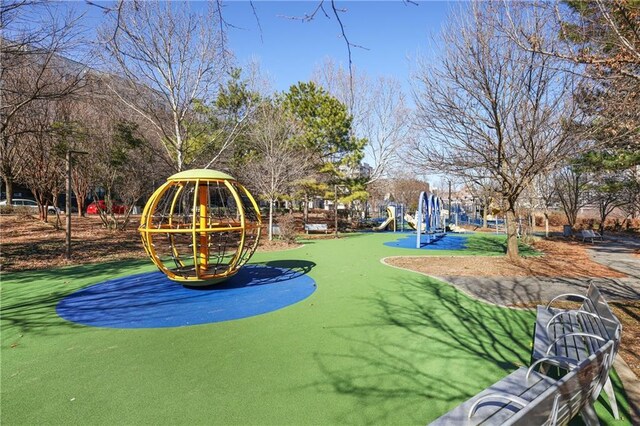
373	344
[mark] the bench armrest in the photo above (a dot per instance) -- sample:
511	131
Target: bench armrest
499	396
558	361
579	296
592	336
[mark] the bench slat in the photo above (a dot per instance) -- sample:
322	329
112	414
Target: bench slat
571	347
499	411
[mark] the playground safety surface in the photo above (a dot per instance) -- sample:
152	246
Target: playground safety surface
151	300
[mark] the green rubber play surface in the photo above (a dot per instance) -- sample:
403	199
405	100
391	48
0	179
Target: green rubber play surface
372	345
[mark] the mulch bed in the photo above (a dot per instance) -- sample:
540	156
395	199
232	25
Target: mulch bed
561	258
28	243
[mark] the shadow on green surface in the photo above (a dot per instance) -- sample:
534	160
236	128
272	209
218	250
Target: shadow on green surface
425	327
28	305
450	348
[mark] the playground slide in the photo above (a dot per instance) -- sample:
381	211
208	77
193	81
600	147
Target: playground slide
411	221
391	213
384	224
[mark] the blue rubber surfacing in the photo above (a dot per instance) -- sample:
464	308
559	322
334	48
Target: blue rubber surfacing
447	242
151	300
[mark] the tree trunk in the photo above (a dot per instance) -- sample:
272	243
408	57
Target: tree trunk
532	223
485	207
306	208
512	235
603	217
80	203
546	224
8	184
271	220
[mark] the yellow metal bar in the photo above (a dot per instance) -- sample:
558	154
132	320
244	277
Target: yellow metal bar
203	198
173	203
234	260
193	229
187	230
145	220
176	255
258	215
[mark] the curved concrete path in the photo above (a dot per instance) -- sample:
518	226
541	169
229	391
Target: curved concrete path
615	252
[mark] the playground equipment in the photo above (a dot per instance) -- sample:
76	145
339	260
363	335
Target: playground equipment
411	221
203	221
428	218
390	220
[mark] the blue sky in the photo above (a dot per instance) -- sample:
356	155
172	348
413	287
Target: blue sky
392	32
288	50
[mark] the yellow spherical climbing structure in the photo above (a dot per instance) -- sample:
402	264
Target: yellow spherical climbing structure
200	227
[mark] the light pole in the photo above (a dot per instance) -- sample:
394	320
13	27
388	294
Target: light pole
68	201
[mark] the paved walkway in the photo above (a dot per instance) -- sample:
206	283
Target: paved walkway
615	252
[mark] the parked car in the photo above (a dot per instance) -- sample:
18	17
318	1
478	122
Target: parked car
116	207
26	203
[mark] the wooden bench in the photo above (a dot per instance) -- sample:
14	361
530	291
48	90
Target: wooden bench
576	334
590	234
527	397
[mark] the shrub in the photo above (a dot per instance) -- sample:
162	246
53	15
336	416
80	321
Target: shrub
555	219
287	225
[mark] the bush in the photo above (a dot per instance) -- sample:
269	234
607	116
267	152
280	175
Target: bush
555	219
287	225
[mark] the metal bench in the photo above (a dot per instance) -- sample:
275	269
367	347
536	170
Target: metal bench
527	397
590	234
576	334
316	227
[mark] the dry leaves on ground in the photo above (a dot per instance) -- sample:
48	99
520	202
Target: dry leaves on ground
28	243
559	259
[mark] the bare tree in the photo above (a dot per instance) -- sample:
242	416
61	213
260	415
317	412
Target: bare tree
484	190
609	190
490	110
170	59
603	38
545	192
277	161
571	187
43	156
34	38
379	111
600	33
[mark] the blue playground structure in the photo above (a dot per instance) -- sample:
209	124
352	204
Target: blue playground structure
428	218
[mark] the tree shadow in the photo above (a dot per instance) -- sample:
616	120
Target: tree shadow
411	357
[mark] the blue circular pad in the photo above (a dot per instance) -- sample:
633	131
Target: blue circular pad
151	300
427	242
